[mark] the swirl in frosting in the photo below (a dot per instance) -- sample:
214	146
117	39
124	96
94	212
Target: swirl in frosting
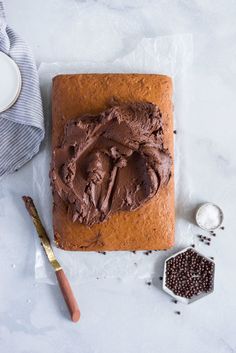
110	162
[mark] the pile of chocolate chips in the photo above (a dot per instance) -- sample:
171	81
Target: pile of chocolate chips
189	274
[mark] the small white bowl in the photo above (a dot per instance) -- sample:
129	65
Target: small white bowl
201	209
10	82
182	299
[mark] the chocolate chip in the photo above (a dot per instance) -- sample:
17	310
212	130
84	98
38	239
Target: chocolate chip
148	283
222	228
146	252
175	301
212	257
208	243
160	278
193	246
102	252
178	312
175	132
134	252
189	274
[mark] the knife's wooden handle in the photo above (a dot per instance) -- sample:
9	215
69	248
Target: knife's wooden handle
68	295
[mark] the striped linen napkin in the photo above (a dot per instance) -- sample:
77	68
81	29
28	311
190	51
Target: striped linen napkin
21	126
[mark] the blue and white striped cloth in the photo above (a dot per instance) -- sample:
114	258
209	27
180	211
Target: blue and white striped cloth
21	126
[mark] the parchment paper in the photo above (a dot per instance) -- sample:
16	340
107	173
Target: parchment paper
170	55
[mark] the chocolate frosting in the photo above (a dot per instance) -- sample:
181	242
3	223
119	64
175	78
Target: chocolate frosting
110	162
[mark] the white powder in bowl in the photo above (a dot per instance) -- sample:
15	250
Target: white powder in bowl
209	216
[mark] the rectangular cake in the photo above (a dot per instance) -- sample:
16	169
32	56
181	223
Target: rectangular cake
149	227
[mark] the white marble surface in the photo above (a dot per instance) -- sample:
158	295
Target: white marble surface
129	316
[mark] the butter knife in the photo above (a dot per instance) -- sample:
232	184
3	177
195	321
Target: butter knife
60	274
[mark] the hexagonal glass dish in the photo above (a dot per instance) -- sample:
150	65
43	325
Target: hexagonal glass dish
183	299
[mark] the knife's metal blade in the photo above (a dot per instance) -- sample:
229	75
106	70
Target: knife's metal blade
41	233
46	244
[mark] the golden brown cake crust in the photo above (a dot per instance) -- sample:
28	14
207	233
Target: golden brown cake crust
151	226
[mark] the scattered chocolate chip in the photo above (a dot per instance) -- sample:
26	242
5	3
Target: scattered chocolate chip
175	132
209	239
178	312
222	228
175	301
204	237
200	236
212	257
208	243
102	252
150	251
134	252
201	240
148	283
146	252
193	245
160	278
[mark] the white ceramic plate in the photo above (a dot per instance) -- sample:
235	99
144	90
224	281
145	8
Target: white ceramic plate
10	82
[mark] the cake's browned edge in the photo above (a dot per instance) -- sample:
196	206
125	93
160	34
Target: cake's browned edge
60	243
